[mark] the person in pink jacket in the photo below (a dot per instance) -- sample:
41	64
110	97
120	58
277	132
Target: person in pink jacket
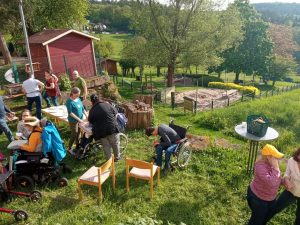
262	191
291	182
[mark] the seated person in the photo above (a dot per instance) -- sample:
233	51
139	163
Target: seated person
21	127
167	142
34	140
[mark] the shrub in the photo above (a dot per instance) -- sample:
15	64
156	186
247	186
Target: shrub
65	83
206	79
244	89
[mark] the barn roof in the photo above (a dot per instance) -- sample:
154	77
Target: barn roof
47	36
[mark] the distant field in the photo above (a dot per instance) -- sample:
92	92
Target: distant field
117	40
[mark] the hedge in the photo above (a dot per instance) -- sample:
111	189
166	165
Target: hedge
244	89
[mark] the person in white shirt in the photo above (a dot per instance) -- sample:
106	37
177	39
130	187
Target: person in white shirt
291	182
32	88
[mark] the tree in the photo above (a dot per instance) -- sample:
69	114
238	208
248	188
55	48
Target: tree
180	26
279	67
251	54
103	48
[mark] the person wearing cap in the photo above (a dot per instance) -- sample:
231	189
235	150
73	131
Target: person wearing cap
3	124
81	84
167	142
291	182
75	115
263	189
34	141
32	88
102	117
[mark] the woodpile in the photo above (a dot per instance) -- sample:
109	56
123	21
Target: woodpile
139	114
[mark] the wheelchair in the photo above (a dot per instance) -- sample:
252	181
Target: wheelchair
183	153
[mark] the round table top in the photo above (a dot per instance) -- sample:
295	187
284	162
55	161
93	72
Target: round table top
242	131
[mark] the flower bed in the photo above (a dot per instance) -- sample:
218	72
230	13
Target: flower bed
244	89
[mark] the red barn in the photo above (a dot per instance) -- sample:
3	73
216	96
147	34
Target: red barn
63	50
110	66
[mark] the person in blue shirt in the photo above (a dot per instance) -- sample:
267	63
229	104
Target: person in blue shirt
75	115
3	125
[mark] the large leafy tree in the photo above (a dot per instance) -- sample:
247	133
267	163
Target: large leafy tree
40	14
251	54
181	26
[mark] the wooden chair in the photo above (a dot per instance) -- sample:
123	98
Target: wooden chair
141	170
96	176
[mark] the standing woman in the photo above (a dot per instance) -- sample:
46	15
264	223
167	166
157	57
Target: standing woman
75	115
262	191
291	181
51	89
32	88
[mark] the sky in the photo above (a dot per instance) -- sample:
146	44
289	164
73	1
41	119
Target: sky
284	1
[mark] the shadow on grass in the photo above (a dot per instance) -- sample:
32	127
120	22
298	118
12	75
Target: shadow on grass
177	212
61	203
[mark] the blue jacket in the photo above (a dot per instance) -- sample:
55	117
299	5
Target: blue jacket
52	142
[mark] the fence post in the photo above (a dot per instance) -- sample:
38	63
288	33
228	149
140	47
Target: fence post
267	93
122	82
212	104
173	100
272	92
242	99
131	85
228	101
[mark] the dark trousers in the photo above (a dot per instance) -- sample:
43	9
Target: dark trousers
5	129
159	154
38	105
260	209
47	99
285	199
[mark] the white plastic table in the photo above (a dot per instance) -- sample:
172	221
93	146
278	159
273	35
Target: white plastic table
271	134
58	113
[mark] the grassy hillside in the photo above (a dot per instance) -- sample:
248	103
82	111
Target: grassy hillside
211	191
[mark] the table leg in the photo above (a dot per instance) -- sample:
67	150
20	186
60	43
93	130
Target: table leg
252	156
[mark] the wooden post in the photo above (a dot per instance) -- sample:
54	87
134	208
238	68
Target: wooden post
272	92
228	101
212	104
131	85
173	100
267	93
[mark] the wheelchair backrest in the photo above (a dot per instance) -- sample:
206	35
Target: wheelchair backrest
181	131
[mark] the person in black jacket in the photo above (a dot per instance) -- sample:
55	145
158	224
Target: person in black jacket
102	116
168	140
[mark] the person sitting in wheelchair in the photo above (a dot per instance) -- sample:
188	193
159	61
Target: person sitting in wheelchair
32	124
168	142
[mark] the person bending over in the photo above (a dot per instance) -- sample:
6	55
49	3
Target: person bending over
167	142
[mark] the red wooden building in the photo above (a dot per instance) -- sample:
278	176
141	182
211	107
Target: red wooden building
110	66
63	50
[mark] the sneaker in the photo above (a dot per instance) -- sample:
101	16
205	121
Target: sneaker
117	158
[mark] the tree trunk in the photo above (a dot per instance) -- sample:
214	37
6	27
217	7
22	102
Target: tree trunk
158	71
4	50
171	71
237	76
219	74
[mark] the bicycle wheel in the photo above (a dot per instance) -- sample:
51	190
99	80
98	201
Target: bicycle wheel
123	143
184	155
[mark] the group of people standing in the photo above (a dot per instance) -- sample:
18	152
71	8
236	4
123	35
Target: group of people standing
262	191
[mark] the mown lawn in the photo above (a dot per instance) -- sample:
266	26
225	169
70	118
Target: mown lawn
211	190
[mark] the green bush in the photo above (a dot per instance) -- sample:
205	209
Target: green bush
204	80
65	83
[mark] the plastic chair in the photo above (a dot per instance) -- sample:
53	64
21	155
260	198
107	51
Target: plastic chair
141	170
96	176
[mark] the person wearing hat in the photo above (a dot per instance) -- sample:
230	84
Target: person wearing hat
262	191
34	141
167	142
291	182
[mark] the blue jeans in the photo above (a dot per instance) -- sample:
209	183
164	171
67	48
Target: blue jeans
53	99
4	128
260	209
285	199
159	154
38	105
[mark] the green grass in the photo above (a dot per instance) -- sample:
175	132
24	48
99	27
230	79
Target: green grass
211	190
117	41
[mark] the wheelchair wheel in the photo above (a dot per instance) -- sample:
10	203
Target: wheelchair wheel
24	183
184	155
93	149
35	196
123	143
63	182
20	215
